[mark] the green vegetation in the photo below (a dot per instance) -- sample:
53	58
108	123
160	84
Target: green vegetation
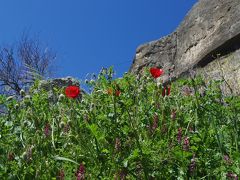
123	129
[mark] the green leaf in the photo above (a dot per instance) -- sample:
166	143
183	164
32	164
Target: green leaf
59	158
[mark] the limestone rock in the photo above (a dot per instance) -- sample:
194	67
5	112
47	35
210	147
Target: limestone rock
210	29
58	83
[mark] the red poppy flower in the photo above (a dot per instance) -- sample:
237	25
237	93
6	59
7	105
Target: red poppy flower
156	72
72	91
117	93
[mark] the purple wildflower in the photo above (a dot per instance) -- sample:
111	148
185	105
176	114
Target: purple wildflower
61	175
80	174
186	144
179	136
187	91
231	175
192	165
47	130
227	159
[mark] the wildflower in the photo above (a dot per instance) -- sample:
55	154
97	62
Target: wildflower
187	91
179	136
72	91
16	106
47	130
192	73
232	176
22	93
80	174
117	93
227	159
192	165
191	129
61	175
61	97
86	81
117	144
92	82
186	144
156	72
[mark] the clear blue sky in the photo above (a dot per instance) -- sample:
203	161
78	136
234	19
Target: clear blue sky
90	34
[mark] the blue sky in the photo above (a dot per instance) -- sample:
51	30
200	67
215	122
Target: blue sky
90	34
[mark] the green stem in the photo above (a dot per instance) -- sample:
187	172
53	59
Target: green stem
139	147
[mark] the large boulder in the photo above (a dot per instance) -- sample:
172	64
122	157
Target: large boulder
210	31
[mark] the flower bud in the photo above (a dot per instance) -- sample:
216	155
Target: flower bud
16	106
86	81
61	97
22	93
92	81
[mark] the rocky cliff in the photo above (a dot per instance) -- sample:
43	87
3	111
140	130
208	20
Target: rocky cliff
209	32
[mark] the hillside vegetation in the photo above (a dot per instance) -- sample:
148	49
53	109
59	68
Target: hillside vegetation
126	128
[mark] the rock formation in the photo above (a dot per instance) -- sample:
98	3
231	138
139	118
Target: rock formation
209	32
59	83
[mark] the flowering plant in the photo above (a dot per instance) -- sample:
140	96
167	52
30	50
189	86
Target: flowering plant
138	135
72	91
156	72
